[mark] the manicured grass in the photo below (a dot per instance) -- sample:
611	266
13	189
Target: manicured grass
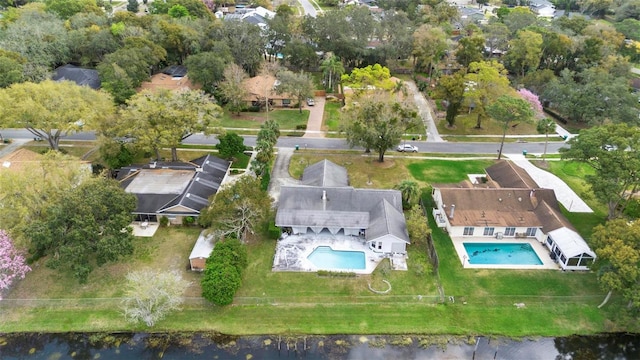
498	138
332	116
71	148
465	125
445	171
287	119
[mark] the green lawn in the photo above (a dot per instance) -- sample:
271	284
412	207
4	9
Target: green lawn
332	115
465	124
287	119
445	171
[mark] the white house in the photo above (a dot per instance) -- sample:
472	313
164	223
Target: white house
543	8
325	202
519	210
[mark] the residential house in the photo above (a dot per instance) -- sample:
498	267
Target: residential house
262	87
543	8
326	202
80	76
257	16
511	205
173	189
173	78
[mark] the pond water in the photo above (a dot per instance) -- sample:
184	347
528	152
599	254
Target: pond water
211	346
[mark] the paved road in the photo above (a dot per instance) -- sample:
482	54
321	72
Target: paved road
309	9
341	144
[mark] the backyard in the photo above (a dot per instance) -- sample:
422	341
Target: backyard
476	301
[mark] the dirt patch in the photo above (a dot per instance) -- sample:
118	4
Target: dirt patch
387	164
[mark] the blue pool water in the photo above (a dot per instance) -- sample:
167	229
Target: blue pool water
325	258
501	254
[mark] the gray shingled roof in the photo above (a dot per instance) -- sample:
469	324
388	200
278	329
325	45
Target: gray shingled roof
386	219
208	173
378	211
81	76
325	173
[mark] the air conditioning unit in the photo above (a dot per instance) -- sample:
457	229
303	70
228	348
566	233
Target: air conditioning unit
499	235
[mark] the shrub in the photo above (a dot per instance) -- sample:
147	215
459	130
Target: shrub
164	221
273	231
229	251
326	273
188	221
301	127
265	179
220	283
230	144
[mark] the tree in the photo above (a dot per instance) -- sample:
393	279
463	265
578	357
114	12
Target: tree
67	8
617	245
361	79
237	209
332	70
178	11
485	82
116	82
232	88
410	192
207	68
298	85
26	194
595	7
617	169
246	43
519	18
429	45
133	6
525	52
545	126
220	283
417	225
12	263
11	71
378	121
164	118
51	110
497	36
152	295
451	89
508	109
470	49
300	55
89	225
232	252
230	144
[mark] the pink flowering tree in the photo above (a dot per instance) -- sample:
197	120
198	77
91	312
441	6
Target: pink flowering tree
12	263
533	100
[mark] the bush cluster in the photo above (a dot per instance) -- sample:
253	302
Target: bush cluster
223	271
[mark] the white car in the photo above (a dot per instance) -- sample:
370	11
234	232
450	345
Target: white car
407	148
310	102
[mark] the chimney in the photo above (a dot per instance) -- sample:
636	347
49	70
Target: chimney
453	208
324	200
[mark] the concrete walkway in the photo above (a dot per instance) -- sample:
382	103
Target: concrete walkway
425	112
567	197
316	115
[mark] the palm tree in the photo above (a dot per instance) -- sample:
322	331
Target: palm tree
410	192
545	126
332	68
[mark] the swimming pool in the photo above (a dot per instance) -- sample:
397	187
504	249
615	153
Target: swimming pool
501	254
325	258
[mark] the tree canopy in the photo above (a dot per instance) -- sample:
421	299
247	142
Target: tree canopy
88	226
613	152
51	110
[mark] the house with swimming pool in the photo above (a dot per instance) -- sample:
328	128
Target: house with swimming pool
325	214
507	206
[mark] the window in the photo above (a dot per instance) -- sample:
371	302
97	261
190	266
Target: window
550	241
510	231
468	230
488	231
531	231
379	245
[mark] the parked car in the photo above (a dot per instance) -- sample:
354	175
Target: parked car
310	102
608	147
407	148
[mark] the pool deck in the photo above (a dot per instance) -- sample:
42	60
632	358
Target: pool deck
539	248
292	252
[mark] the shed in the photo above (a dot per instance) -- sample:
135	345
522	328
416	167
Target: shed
201	251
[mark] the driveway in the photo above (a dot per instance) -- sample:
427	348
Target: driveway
280	173
567	197
425	112
316	114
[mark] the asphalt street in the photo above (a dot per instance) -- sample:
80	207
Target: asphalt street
341	144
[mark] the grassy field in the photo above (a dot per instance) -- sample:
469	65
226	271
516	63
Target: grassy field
287	119
331	121
466	125
557	303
